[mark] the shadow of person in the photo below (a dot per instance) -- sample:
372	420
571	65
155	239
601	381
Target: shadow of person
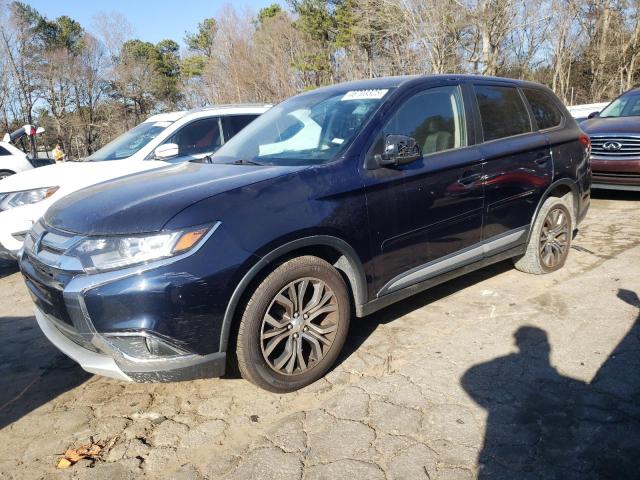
542	424
533	410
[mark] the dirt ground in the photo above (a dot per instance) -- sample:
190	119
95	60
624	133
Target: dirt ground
497	374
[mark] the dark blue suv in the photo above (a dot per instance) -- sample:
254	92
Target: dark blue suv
334	203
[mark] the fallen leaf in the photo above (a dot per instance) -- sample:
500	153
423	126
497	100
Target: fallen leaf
74	455
64	463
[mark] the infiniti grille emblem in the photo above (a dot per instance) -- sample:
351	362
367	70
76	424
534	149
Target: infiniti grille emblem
612	146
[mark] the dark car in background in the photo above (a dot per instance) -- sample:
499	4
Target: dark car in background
338	201
615	143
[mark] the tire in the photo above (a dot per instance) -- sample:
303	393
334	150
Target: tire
278	345
550	239
6	173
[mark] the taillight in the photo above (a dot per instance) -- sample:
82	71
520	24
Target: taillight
586	141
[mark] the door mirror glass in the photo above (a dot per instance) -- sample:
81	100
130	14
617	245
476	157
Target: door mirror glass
398	150
593	115
166	151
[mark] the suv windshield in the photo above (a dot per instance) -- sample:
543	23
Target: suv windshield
304	130
624	106
129	142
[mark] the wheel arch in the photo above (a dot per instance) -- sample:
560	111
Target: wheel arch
559	188
331	249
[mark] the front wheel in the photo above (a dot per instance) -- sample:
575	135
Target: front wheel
294	325
550	239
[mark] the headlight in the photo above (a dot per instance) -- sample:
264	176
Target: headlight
108	253
26	197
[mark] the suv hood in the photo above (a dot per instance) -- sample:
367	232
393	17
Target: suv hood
611	125
147	201
71	176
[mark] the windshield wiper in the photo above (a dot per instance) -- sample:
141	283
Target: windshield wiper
242	161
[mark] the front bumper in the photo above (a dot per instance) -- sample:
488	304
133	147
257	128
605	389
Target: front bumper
90	361
616	174
107	361
158	322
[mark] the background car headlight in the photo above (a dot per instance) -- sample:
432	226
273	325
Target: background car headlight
25	197
108	253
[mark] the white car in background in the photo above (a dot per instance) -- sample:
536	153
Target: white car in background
159	141
12	159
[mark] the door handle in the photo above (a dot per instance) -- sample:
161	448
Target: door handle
468	178
542	159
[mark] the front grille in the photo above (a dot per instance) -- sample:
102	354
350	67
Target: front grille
44	270
46	289
49	247
618	175
615	146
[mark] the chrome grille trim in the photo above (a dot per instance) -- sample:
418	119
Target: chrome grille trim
629	146
49	247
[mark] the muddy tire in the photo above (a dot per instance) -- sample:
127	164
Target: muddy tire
550	239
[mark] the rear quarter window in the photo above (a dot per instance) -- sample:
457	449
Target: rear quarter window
4	152
502	111
238	122
544	108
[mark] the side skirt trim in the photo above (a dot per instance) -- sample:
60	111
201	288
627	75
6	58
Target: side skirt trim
454	260
393	297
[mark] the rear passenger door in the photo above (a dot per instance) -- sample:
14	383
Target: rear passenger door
518	167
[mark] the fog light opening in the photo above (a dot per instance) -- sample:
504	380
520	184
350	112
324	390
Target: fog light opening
143	345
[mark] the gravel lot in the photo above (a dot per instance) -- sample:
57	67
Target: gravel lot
494	375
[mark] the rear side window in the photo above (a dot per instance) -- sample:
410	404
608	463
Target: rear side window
4	152
502	111
544	109
238	122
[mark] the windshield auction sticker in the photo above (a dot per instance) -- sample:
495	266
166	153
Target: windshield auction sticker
365	94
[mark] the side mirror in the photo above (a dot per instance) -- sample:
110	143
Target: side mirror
166	151
593	115
398	150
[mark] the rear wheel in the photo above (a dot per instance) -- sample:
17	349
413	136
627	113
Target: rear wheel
550	239
294	325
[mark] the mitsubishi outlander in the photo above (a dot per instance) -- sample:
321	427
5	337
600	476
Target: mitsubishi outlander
337	202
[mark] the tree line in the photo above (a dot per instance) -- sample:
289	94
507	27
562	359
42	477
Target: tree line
87	85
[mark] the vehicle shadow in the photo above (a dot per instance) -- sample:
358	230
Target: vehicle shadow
361	328
542	424
33	371
621	195
7	268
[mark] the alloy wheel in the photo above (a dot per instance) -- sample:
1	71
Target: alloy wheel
299	326
554	237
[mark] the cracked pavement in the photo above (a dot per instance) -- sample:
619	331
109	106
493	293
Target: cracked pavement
497	374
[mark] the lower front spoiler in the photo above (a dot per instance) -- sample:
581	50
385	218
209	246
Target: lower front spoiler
171	369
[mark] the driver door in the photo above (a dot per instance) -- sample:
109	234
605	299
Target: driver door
424	213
